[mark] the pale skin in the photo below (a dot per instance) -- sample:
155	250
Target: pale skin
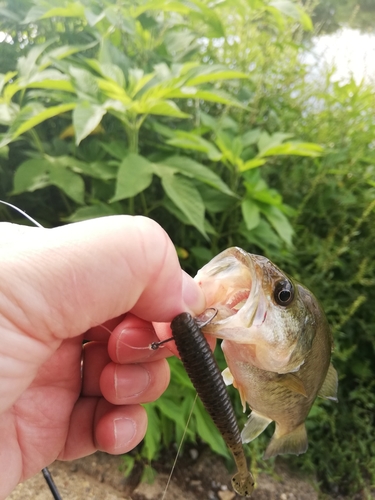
56	287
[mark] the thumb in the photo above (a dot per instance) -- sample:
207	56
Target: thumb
57	283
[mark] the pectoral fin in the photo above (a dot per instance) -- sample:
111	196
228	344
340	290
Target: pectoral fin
254	426
329	387
293	383
294	442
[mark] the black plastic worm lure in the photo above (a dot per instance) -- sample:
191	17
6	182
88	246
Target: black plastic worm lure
203	371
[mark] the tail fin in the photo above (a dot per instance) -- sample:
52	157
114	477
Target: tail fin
294	442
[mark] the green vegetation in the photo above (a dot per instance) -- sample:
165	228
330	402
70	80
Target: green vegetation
205	120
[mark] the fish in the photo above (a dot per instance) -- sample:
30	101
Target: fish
203	370
277	344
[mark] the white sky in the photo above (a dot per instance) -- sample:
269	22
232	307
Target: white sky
350	51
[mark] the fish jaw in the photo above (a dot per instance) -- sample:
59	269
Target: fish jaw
239	286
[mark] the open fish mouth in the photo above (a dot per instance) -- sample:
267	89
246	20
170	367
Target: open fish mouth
232	286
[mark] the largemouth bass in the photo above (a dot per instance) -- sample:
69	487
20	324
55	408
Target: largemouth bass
276	341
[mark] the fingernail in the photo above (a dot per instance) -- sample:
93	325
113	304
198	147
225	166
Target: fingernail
124	431
192	295
130	380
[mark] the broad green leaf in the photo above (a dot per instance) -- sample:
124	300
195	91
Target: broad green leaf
215	201
208	74
24	123
250	213
72	9
208	14
26	65
291	9
165	108
114	91
253	163
85	83
191	168
267	141
86	117
188	140
116	148
31	175
70	183
208	432
161	5
250	137
262	236
91	212
173	411
64	85
294	148
98	170
134	176
153	436
268	196
218	96
4	151
4	78
186	197
8	112
279	222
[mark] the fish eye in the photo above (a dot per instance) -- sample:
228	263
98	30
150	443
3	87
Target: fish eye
283	293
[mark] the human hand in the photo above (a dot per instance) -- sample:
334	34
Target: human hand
56	286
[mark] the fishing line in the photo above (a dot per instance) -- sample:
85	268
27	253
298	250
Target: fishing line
23	213
179	447
46	473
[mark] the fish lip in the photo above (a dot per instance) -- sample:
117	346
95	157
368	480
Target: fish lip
240	261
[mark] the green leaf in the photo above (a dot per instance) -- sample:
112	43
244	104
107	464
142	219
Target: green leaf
173	411
86	117
186	197
4	78
26	65
218	96
294	148
215	201
267	141
279	222
72	9
116	148
208	74
134	176
208	432
250	213
70	183
31	175
253	163
4	151
165	108
196	170
152	438
188	140
294	11
262	236
32	115
91	212
250	137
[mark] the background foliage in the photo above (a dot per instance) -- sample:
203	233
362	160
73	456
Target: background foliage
207	121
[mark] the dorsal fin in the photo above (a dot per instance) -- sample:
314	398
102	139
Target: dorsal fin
329	387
